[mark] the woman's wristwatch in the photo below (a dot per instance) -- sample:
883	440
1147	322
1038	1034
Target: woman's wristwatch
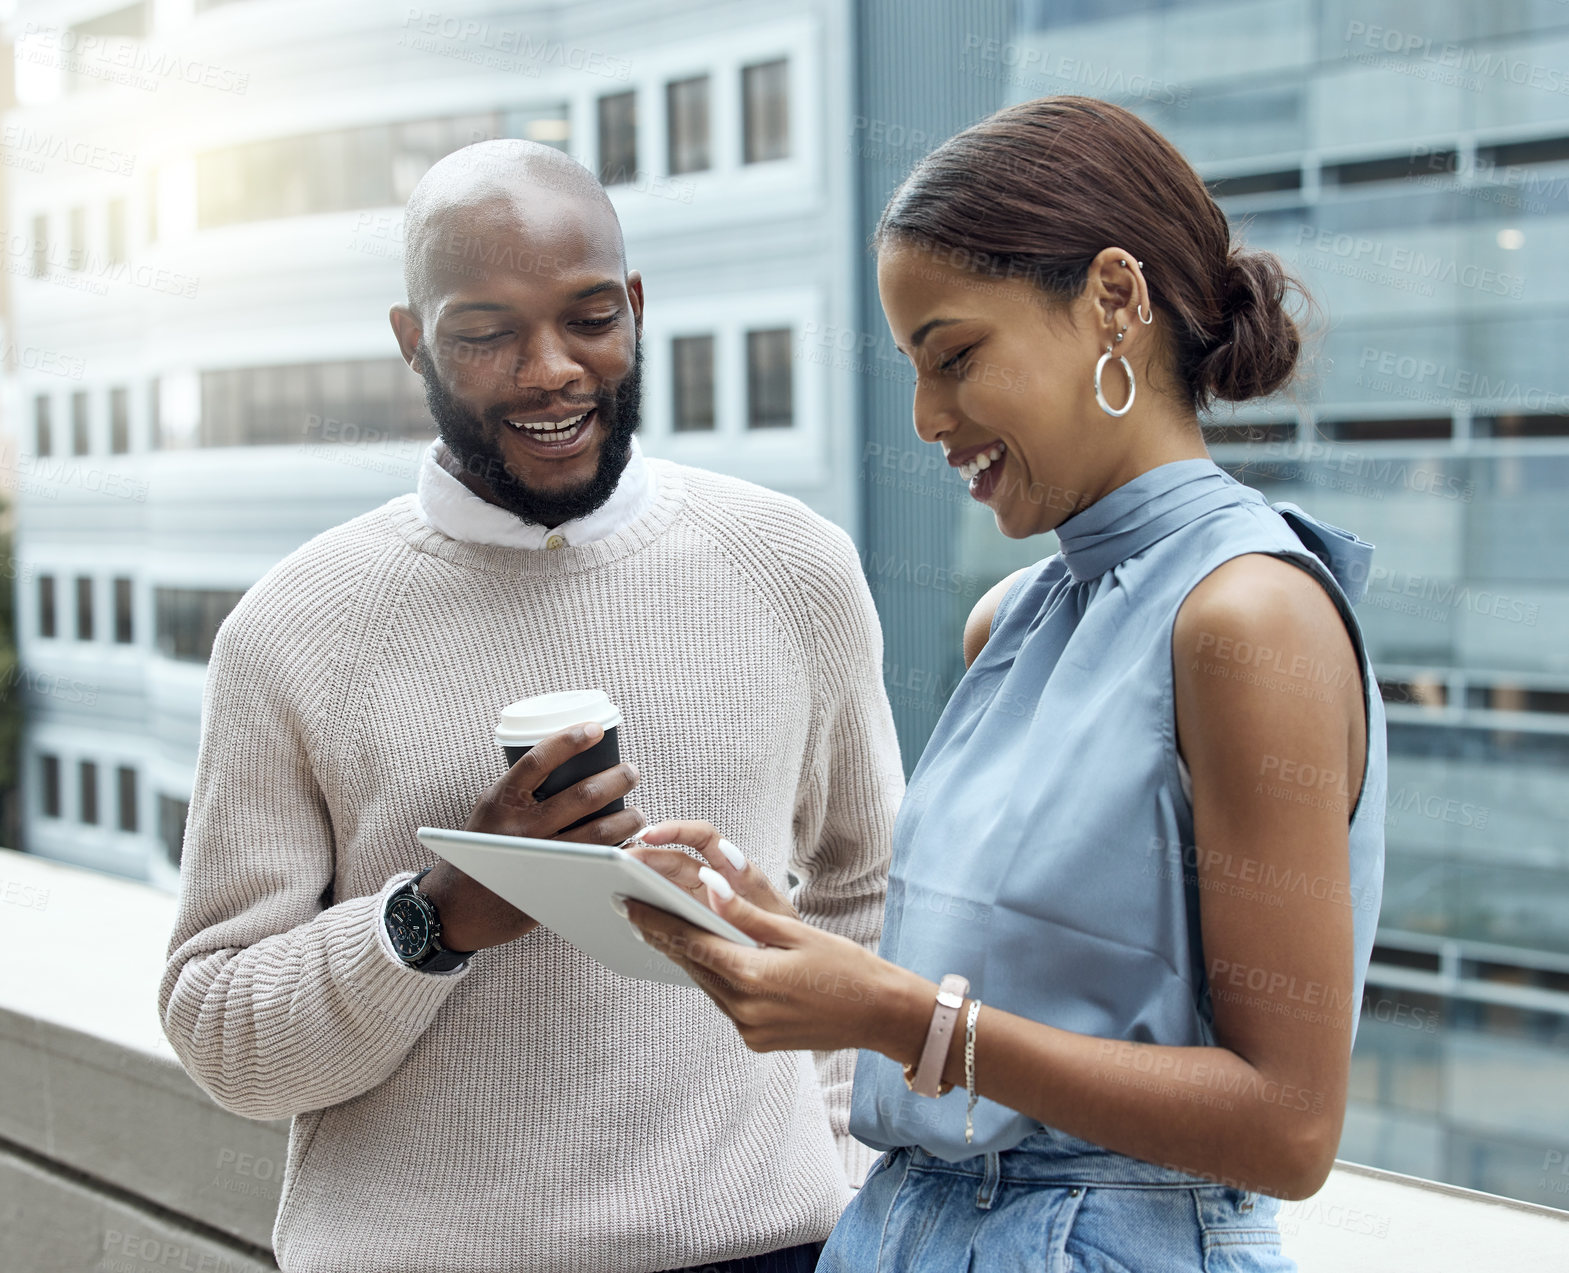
925	1079
414	928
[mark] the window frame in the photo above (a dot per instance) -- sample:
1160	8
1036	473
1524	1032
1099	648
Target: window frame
119	420
746	70
81	423
48	598
84	599
127	797
601	166
751	339
123	588
88	812
679	113
677	383
787	457
50	796
43	425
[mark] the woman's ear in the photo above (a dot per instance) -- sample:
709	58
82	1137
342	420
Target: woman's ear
1116	289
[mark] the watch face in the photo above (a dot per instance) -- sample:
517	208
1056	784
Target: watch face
408	927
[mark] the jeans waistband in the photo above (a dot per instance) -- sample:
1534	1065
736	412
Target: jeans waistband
1053	1158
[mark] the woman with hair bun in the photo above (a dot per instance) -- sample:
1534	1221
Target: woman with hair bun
1136	875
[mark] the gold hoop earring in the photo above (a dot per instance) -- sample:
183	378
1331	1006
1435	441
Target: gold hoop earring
1100	393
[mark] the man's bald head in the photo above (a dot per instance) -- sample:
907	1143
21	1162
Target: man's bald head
476	203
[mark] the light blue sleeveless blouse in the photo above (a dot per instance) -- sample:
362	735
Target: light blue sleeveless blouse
1045	846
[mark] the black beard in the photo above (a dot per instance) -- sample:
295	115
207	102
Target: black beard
475	441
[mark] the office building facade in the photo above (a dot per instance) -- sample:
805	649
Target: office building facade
204	238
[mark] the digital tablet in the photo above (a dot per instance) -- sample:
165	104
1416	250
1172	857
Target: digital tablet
568	888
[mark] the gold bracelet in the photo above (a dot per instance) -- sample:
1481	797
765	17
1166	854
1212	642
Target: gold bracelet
969	1070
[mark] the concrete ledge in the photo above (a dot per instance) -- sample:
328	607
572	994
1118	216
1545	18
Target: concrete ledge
137	1123
93	1088
1369	1221
112	1160
54	1223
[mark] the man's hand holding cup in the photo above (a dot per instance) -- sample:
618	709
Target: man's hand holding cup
474	918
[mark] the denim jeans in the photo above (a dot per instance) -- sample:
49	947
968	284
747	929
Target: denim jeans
1053	1203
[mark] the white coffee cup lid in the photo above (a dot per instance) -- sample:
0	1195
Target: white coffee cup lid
531	720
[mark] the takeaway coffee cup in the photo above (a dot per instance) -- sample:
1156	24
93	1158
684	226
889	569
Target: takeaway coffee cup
528	722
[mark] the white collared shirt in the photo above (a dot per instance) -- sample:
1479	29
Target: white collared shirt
445	504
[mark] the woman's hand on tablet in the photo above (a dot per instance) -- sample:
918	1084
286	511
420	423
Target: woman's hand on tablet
723	858
804	989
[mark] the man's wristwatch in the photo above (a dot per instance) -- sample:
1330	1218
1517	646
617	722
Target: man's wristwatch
414	928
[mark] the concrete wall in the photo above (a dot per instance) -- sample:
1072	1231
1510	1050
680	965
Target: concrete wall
111	1159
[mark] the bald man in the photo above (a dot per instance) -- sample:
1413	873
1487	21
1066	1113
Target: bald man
482	1096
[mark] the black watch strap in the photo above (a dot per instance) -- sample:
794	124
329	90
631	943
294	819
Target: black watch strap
436	958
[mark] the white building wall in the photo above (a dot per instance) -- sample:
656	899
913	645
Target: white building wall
723	251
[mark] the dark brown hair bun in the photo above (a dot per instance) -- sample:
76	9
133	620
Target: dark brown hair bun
1259	343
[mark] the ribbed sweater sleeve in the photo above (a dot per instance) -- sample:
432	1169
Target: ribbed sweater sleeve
277	1000
851	785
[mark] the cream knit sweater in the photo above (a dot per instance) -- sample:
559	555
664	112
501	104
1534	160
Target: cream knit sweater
535	1111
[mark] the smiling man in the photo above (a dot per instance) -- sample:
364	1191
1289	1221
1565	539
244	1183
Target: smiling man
495	1100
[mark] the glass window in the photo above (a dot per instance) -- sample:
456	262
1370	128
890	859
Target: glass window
87	783
115	245
769	403
692	365
617	138
47	621
40	246
172	815
123	627
416	145
79	423
78	243
548	125
125	781
1039	14
42	433
119	421
368	173
84	608
686	119
154	414
186	620
765	107
49	783
331	183
367	400
220	196
335	170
